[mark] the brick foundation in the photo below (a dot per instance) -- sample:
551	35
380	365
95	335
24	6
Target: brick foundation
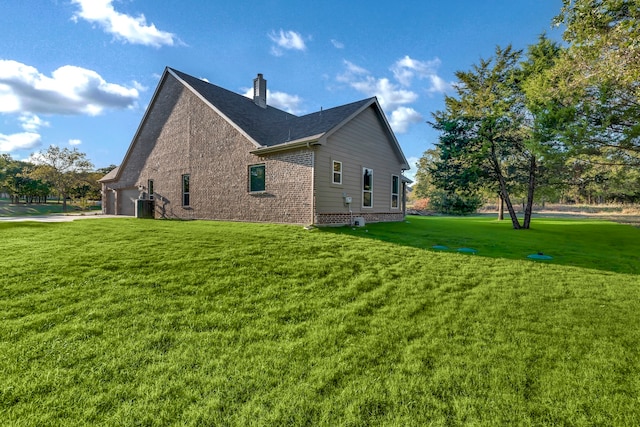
345	218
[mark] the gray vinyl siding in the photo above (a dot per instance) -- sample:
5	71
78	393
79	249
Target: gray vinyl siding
363	142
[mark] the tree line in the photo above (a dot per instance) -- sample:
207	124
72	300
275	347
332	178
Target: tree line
55	172
552	122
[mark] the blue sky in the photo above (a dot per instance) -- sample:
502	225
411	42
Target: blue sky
80	73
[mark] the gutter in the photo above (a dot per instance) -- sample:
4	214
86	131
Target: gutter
299	143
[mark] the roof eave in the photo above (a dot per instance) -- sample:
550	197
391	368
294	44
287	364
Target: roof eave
374	101
120	167
305	142
405	163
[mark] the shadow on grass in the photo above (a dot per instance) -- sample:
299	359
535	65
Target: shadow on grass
593	244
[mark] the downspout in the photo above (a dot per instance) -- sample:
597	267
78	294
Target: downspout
313	184
404	200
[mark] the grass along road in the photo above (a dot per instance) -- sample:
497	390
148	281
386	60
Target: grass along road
211	323
8	209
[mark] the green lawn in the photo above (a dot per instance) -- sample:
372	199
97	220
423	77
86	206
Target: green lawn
133	322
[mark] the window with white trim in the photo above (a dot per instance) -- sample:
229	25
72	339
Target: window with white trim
185	190
337	172
257	178
367	188
395	191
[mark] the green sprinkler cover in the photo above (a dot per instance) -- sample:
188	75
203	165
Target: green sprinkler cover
468	250
540	255
440	247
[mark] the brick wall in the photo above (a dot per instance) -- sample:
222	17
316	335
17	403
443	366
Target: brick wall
182	135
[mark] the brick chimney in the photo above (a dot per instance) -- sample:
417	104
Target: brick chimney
260	91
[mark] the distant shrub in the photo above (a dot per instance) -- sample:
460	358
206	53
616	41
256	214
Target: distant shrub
421	204
454	204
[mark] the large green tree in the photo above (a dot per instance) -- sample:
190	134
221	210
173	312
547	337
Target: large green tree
493	135
483	131
546	154
599	77
62	168
9	170
424	186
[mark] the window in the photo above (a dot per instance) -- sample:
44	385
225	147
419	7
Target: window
256	178
185	190
150	188
395	191
367	188
337	172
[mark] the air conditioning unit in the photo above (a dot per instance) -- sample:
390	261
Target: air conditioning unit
145	208
358	221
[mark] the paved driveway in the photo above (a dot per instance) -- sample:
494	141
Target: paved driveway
56	218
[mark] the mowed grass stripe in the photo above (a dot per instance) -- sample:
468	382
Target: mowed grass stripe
130	322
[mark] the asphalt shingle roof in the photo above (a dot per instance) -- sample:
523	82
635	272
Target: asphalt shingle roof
269	126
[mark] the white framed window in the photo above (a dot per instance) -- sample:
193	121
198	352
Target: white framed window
150	188
257	178
337	173
185	190
367	188
395	191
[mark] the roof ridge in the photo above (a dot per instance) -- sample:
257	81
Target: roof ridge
240	96
324	110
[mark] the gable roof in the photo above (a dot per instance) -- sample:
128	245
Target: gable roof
111	175
236	108
269	129
269	126
272	129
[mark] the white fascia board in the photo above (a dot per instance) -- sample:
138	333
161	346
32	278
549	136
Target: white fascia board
298	143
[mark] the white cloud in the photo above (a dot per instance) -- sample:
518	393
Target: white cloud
337	44
289	40
19	141
351	73
393	98
402	117
284	101
130	29
31	122
70	90
139	86
405	69
75	142
390	95
438	85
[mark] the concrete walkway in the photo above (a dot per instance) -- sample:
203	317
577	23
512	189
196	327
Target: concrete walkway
56	217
